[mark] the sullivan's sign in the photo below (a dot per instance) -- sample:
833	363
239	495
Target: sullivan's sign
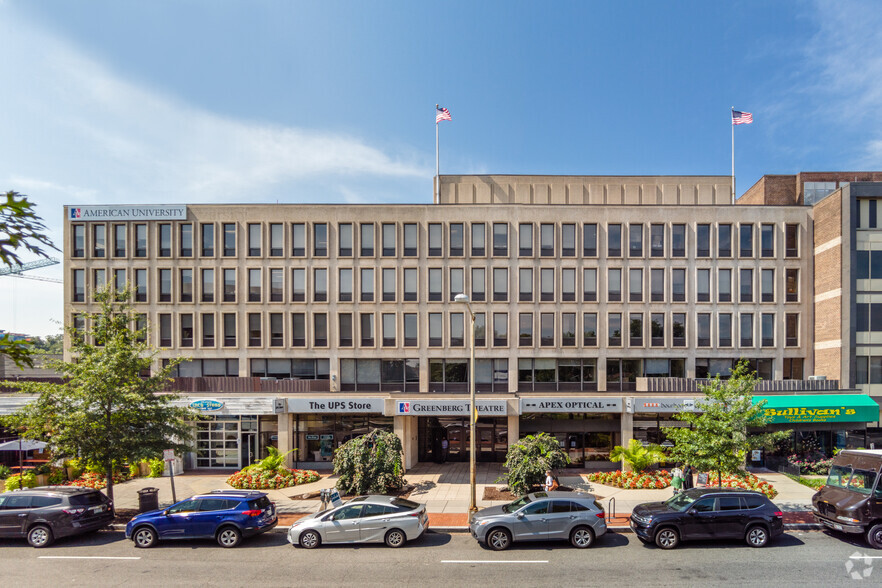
819	408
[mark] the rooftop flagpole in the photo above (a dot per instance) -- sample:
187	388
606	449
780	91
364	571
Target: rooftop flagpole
437	160
732	124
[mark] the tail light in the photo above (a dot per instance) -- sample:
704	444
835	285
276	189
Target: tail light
779	514
252	513
600	515
73	511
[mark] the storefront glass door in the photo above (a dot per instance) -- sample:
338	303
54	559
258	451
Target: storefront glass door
491	439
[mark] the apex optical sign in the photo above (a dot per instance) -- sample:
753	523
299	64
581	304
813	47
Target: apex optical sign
571	404
449	407
127	212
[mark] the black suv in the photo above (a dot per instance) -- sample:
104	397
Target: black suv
49	512
708	513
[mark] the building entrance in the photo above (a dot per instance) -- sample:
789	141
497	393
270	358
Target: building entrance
447	439
226	441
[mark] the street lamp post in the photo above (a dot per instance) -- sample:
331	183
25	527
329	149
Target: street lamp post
473	408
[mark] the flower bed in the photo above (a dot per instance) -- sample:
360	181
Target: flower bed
633	480
811	466
254	479
748	481
96	481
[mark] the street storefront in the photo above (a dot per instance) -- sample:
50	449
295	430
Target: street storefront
651	415
587	428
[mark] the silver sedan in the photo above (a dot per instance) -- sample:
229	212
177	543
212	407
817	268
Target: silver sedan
364	519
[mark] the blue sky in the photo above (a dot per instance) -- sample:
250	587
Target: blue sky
260	101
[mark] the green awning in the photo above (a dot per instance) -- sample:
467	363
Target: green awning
820	408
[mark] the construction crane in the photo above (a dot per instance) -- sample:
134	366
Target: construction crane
16	270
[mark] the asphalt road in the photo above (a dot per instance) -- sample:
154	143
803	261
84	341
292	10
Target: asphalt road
437	559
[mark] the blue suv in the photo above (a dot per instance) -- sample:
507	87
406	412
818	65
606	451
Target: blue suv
224	515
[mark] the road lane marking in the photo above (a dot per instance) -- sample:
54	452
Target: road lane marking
865	557
494	561
82	557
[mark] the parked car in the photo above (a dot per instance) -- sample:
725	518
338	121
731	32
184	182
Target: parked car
224	515
851	500
708	513
573	516
46	513
364	519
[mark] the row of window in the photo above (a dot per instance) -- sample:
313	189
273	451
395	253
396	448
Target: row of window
442	239
269	285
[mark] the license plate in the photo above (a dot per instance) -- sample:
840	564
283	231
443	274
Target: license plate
97	509
837	527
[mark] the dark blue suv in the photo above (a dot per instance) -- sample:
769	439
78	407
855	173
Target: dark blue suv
224	515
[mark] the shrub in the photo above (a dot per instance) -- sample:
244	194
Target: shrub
528	459
16	481
633	480
5	472
639	456
748	481
56	477
274	461
254	479
96	480
157	466
369	464
134	470
43	469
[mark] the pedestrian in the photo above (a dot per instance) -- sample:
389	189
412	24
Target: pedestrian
677	480
687	477
550	482
444	446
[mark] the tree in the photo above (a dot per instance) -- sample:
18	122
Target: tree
529	458
51	344
369	464
105	412
719	437
639	456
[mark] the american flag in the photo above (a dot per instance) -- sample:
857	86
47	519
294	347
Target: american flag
741	118
441	114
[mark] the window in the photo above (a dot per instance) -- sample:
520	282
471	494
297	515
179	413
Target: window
614	241
254	279
165	330
746	329
500	329
229	329
436	287
457	329
791	330
456	240
410	240
140	285
119	282
500	239
678	240
568	284
589	329
678	285
546	240
277	285
568	240
367	284
99	240
767	330
410	284
344	322
767	285
745	248
703	321
277	331
165	285
724	240
614	322
186	285
320	284
678	329
589	285
140	241
119	240
388	329
614	285
298	329
436	329
79	285
320	329
229	239
589	240
500	284
724	285
165	240
367	329
815	191
657	240
277	239
480	329
207	240
525	329
568	329
525	239
746	281
724	330
410	329
478	284
436	240
791	240
298	239
702	285
79	240
186	330
99	281
635	285
702	240
320	239
479	239
792	285
657	329
389	286
767	240
657	284
255	337
207	330
636	329
389	247
546	329
635	240
344	289
457	282
546	284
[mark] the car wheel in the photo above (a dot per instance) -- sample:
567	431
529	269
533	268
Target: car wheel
498	539
582	537
40	536
757	536
667	538
229	537
395	538
144	537
874	536
310	539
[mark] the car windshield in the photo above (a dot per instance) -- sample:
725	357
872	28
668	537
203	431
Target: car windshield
680	502
519	503
862	481
839	476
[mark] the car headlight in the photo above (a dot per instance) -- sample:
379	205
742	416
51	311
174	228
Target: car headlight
482	523
847	519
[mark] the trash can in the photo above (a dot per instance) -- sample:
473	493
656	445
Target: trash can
148	499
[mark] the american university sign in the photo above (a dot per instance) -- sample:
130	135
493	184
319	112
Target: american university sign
127	212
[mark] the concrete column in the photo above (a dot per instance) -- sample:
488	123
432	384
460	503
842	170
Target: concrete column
286	437
514	429
406	429
627	429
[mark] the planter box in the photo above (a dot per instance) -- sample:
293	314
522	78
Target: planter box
42	479
2	485
145	469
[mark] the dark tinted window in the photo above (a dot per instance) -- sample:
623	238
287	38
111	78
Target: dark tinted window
536	508
373	510
561	506
90	499
730	503
44	501
261	503
402	505
705	505
209	504
754	501
15	502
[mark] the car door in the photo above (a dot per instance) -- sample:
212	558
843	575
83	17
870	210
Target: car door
14	511
204	522
343	525
374	522
561	519
176	520
731	517
698	521
531	522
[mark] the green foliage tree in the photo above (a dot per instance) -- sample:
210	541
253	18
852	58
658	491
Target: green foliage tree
50	344
719	437
528	459
105	412
369	464
640	457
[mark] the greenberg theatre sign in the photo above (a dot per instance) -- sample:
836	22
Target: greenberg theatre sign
125	212
571	404
335	405
449	407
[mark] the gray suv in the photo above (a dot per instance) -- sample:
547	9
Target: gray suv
49	512
573	516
